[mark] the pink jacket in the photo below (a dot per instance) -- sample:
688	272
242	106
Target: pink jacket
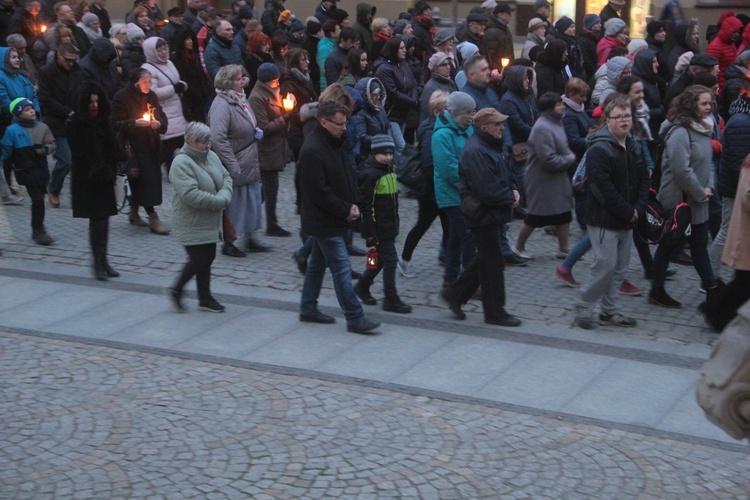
604	46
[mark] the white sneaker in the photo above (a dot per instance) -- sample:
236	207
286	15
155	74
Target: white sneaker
13	199
404	267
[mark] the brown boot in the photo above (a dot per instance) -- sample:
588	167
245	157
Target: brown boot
134	218
156	225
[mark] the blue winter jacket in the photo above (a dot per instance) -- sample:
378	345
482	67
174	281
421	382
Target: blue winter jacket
14	85
448	141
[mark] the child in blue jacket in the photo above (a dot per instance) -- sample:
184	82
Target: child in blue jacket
26	144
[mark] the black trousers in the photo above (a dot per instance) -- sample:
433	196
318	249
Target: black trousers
167	149
200	258
270	179
98	235
428	210
388	258
486	269
36	193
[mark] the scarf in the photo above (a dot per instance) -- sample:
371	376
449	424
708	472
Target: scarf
705	126
299	75
578	108
740	105
380	37
643	114
240	99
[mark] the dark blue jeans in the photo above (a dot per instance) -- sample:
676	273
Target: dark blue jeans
698	240
461	247
330	252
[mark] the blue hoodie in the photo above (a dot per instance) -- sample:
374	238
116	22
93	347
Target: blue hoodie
13	85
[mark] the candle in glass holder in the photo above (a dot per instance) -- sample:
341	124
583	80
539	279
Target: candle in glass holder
289	101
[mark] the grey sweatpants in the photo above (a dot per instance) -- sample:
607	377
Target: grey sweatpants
612	257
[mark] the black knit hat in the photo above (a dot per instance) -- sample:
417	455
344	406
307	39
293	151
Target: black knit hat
654	26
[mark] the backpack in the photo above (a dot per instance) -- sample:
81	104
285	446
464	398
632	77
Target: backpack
409	170
660	226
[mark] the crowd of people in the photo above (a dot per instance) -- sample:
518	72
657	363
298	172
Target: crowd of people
225	102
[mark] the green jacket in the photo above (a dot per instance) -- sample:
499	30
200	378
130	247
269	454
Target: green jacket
202	189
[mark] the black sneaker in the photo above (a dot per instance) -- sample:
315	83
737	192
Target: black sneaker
504	320
278	231
211	306
453	305
41	237
362	326
364	295
176	298
255	247
232	251
515	260
396	306
617	319
317	317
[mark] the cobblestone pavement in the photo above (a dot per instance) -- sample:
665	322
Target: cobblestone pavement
88	421
532	291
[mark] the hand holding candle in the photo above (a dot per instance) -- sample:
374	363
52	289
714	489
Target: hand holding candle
289	101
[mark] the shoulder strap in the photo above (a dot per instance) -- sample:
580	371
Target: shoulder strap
160	71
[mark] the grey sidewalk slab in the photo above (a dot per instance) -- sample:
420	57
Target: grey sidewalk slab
467	362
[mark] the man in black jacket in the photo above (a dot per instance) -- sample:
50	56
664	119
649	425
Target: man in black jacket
98	8
485	178
617	191
328	207
59	82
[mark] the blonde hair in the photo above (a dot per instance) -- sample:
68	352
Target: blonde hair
438	101
378	24
223	78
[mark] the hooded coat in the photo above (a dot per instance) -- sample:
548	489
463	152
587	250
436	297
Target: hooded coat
369	121
519	105
551	69
683	44
128	106
605	46
615	68
653	87
164	76
273	151
99	66
448	141
14	85
362	25
200	92
617	181
686	168
95	153
723	48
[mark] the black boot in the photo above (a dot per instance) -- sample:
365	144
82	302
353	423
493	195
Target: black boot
108	269
393	303
714	308
362	290
659	297
100	272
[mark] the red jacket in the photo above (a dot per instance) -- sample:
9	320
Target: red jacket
723	48
604	46
745	40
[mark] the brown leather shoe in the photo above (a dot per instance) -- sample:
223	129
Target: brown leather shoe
156	225
54	200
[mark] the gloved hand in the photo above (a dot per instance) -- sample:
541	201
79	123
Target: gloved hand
716	147
258	134
372	241
41	150
180	87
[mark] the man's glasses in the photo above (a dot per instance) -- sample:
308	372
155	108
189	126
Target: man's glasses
621	118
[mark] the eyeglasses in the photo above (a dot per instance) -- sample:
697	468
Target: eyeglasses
71	59
339	125
620	118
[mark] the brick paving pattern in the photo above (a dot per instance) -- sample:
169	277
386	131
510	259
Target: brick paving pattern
82	421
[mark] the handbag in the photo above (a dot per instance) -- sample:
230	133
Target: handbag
409	170
471	206
664	226
520	152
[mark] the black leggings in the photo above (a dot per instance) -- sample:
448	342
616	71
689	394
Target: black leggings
98	234
428	210
167	149
270	180
200	258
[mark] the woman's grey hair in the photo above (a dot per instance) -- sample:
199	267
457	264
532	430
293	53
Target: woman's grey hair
197	131
223	79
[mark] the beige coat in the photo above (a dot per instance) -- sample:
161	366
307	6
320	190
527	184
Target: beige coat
737	246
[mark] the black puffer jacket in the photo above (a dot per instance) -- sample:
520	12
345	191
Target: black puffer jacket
132	57
735	147
482	170
378	194
617	182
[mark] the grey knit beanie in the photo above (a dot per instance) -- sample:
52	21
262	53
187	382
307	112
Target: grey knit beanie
614	26
382	143
460	102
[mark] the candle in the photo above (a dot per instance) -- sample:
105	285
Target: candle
147	117
289	101
504	62
43	28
